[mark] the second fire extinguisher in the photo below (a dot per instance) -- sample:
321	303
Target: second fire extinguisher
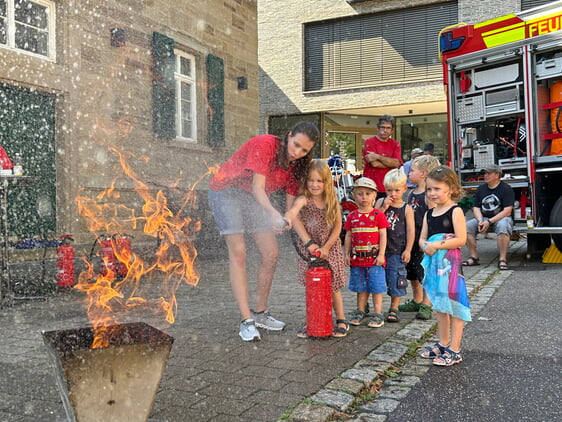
123	253
107	264
318	299
65	262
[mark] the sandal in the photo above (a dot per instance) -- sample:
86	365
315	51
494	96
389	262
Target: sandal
502	265
340	331
358	316
302	333
471	262
448	358
392	315
431	352
376	321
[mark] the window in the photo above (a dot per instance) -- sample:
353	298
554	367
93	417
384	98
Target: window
529	4
185	96
28	26
374	49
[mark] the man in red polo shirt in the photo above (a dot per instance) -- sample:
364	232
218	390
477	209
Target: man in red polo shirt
381	153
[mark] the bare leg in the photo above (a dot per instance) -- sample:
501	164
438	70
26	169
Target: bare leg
237	270
503	245
377	303
417	290
362	299
337	302
269	253
443	328
394	302
471	245
457	327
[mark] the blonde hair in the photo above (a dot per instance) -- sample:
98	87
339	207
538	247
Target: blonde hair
395	177
448	176
426	162
329	194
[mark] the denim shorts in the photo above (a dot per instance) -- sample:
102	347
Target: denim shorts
367	279
504	226
237	211
395	270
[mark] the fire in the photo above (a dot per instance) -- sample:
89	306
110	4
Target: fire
150	283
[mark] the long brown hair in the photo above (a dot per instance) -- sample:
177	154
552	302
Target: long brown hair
300	165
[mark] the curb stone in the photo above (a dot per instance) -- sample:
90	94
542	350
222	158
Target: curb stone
330	400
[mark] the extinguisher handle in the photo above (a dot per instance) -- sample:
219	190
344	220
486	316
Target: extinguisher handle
316	254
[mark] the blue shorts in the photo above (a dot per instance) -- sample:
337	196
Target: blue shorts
237	211
367	279
395	270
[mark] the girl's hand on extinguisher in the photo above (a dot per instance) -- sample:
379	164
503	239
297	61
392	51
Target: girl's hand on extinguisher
323	253
312	249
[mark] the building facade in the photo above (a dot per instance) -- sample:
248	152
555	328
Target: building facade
168	87
344	63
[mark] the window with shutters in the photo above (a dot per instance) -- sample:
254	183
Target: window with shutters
186	104
374	49
28	26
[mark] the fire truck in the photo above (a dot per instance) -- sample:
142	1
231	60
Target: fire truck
503	79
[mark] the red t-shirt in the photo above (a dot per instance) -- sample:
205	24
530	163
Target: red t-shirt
258	155
364	228
390	148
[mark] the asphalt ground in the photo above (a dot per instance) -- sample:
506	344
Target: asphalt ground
212	375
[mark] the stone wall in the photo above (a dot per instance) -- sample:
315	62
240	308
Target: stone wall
104	93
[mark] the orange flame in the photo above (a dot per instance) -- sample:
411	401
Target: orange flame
172	263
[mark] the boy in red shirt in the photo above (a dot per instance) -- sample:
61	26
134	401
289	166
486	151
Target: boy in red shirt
364	250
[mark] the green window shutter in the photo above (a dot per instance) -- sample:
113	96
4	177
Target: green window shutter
163	87
215	98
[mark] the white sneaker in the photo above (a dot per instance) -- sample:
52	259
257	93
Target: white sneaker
266	321
248	330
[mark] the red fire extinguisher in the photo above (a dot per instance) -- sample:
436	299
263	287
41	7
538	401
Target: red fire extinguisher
318	299
123	252
65	262
107	264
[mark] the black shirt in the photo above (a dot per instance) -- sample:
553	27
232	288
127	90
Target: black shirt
492	201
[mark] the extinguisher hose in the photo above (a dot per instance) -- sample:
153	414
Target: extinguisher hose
309	259
92	250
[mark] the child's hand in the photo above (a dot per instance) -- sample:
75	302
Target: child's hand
346	260
313	248
323	253
406	257
429	248
379	261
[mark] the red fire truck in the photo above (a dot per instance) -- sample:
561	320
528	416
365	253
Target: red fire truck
503	79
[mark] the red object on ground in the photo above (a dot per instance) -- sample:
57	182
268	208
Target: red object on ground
65	262
319	301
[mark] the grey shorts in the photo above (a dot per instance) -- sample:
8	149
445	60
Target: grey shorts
503	226
237	211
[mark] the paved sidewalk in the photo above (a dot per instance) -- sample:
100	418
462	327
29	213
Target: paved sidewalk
211	374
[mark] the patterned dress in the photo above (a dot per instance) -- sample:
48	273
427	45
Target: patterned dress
314	220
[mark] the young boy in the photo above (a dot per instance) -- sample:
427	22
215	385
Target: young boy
364	251
419	202
400	237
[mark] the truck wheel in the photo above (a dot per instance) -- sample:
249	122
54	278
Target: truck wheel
556	221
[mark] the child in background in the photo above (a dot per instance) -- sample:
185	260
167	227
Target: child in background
400	238
420	203
316	217
443	233
364	250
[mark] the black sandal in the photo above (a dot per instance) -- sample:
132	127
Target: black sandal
340	331
471	262
392	315
502	265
